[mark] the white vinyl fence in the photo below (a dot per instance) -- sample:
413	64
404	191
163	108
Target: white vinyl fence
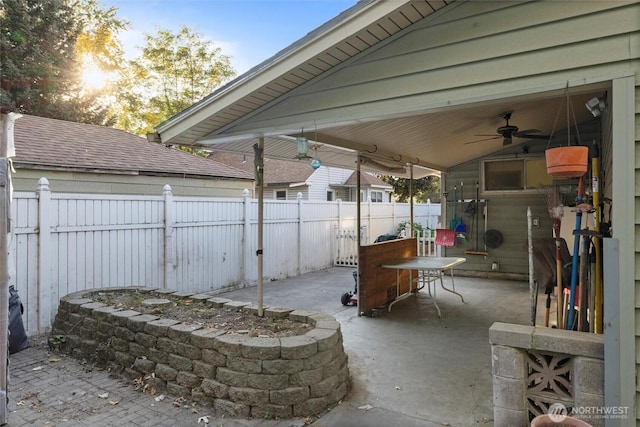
63	243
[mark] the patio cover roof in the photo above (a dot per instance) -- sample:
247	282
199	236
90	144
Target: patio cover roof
391	133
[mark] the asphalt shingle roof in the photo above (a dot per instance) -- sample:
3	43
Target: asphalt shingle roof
366	179
275	171
51	143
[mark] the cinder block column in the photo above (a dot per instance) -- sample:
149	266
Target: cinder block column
588	387
509	372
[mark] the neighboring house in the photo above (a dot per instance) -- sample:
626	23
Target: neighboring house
82	158
415	82
284	179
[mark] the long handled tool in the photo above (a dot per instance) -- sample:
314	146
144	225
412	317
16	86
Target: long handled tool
596	309
477	251
556	216
454	221
575	255
460	228
582	283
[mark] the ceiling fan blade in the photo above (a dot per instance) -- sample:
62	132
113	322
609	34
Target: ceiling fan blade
526	132
526	136
484	139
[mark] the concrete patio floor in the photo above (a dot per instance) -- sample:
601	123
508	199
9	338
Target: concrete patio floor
408	366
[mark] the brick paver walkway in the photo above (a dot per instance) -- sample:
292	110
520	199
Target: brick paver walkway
53	390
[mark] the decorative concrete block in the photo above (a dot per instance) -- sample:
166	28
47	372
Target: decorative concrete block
590	409
188	351
120	317
166	344
261	348
511	335
289	395
203	369
218	301
214	388
267	382
181	332
306	378
298	347
159	327
213	357
248	396
320	359
145	366
509	393
180	363
200	297
204	338
508	362
588	376
137	323
277	312
188	379
241	364
282	366
166	372
236	305
301	315
324	387
326	338
230	344
331	324
232	378
232	409
270	377
568	342
146	340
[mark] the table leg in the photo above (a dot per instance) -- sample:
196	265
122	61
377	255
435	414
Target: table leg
435	300
405	295
453	291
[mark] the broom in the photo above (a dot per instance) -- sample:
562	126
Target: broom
477	200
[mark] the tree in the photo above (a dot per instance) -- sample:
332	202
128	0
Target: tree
40	67
423	188
174	71
98	40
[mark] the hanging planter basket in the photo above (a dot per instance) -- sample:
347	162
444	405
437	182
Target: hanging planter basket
567	162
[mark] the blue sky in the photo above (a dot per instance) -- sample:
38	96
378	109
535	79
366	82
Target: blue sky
249	31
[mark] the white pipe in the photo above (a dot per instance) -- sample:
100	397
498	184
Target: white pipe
532	288
259	165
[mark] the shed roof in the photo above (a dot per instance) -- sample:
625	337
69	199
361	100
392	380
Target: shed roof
43	143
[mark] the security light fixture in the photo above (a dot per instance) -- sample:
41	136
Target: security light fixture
595	106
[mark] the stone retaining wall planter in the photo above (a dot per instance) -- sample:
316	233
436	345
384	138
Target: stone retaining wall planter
238	375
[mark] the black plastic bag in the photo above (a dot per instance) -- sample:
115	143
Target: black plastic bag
18	339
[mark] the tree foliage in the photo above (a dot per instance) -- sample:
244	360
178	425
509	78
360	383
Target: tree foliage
98	40
40	65
174	71
427	188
